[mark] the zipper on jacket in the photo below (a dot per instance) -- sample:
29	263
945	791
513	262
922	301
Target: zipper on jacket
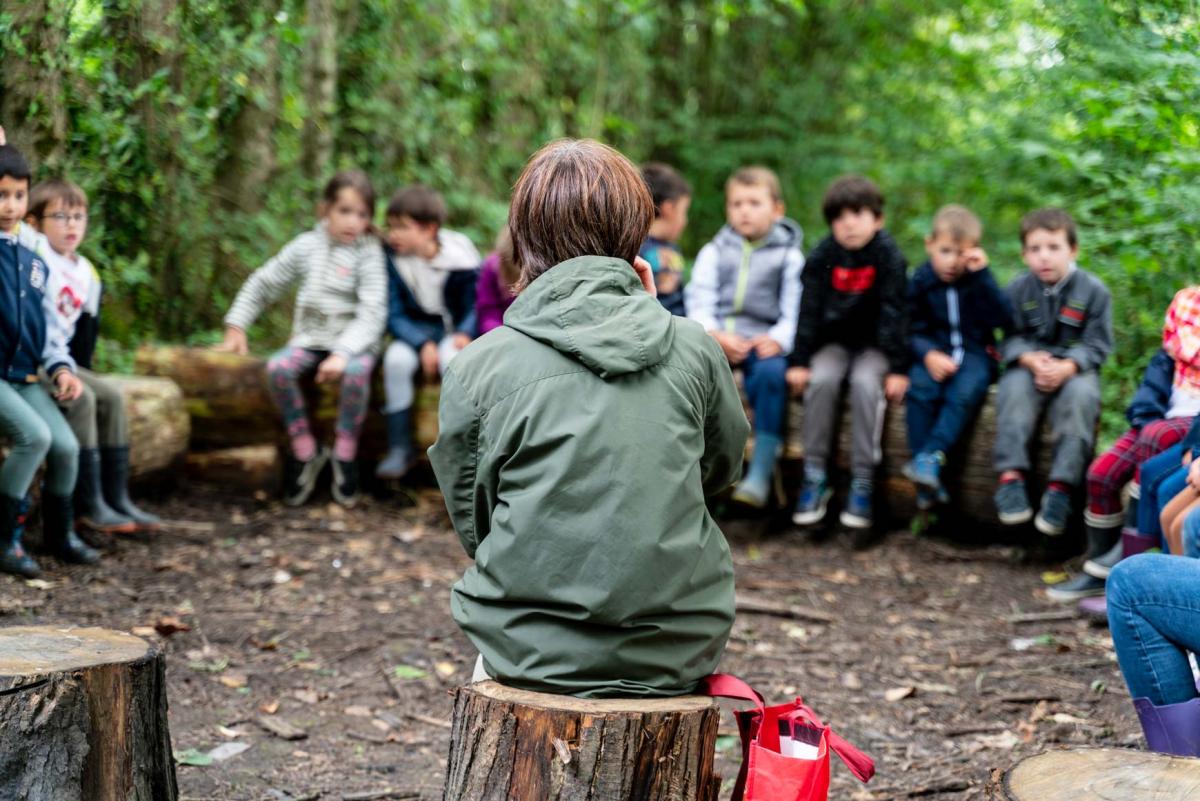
743	281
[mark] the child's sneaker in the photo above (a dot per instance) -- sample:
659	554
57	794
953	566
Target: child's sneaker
1101	566
1012	503
1055	513
813	502
926	499
300	478
925	469
857	513
345	482
1082	586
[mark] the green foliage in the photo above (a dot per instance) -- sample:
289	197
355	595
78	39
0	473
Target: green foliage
1005	107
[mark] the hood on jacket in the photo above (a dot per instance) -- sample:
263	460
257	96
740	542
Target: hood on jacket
785	232
595	310
455	252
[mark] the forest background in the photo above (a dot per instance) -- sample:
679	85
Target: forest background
203	129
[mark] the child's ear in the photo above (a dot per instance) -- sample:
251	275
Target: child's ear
32	221
779	208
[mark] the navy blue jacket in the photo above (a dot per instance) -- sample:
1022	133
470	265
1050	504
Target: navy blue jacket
1153	395
414	326
982	308
23	280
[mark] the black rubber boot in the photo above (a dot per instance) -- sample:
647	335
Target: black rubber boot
94	511
114	478
13	558
58	531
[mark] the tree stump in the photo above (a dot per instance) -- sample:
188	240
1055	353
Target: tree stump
513	744
83	716
1100	774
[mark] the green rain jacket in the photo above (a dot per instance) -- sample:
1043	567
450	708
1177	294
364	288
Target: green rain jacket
577	444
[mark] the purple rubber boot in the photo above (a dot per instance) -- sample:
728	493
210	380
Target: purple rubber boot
1095	609
1171	729
1134	542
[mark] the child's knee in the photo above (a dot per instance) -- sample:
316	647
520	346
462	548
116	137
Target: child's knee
64	447
400	359
772	373
282	366
34	438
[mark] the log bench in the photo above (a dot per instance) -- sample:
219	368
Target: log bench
1099	774
509	743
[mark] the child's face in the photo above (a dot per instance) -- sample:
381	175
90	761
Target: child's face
409	237
947	255
14	200
751	210
348	216
1048	254
853	229
64	226
673	217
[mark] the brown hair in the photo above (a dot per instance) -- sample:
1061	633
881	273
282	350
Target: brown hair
1049	219
577	197
349	179
665	184
852	192
756	176
419	202
957	222
47	192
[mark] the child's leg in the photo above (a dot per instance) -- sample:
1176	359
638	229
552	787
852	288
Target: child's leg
1018	406
400	365
352	406
62	458
922	403
829	366
284	371
867	407
766	389
965	391
1155	472
1172	486
30	440
90	415
1106	477
1156	437
1074	411
447	350
112	426
1172	517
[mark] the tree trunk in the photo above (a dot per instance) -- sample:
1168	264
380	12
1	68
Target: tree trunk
1097	774
83	715
32	106
320	86
245	469
508	743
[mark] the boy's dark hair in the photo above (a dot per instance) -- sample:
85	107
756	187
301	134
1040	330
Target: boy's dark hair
1049	219
957	222
13	164
664	183
577	197
47	192
351	179
756	176
853	192
421	203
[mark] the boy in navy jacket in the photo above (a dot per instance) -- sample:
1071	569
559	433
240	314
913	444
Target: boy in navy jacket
955	306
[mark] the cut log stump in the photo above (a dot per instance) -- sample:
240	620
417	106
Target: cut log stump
83	716
513	744
1100	774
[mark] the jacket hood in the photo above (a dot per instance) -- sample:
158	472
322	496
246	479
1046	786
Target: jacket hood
784	233
595	310
455	252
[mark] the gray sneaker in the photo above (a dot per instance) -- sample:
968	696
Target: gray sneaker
1012	503
1102	565
1082	586
1055	513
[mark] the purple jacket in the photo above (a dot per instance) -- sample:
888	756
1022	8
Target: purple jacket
492	298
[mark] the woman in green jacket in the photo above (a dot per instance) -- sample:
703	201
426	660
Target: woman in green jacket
577	444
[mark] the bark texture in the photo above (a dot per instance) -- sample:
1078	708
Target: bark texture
159	427
1098	774
512	744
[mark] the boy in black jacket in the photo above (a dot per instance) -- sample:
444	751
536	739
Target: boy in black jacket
853	321
955	306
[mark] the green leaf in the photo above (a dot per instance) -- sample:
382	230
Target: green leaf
407	672
193	757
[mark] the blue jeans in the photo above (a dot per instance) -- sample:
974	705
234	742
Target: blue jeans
937	413
1162	478
1154	617
766	389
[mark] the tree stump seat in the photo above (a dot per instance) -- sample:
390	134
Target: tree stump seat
1099	774
83	716
513	744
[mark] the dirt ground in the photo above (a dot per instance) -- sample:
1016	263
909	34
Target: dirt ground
942	661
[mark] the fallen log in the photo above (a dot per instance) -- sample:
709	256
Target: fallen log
83	715
508	743
248	467
1099	774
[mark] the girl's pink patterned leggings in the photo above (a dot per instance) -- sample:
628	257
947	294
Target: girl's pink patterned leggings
285	370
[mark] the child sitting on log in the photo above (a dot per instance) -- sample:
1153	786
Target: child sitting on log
431	309
494	290
955	307
340	313
577	445
58	210
1061	335
29	342
672	196
853	322
745	291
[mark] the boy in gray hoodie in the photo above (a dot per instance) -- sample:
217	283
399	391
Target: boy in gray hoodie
745	291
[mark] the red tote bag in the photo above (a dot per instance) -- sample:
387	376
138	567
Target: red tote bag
770	774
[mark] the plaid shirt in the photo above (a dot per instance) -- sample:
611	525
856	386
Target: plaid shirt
1181	338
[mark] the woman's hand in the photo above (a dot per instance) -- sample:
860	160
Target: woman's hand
646	273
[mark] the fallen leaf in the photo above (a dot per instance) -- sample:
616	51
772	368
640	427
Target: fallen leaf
193	757
382	725
359	711
851	681
281	577
306	696
226	750
169	624
408	672
143	631
39	584
225	731
269	707
1004	741
445	669
899	693
1063	717
1054	577
233	680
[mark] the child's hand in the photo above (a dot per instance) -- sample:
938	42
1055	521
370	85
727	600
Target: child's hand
940	365
646	273
430	364
460	340
69	386
894	387
1054	374
797	379
235	342
736	348
975	259
331	368
1193	475
1187	458
766	347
